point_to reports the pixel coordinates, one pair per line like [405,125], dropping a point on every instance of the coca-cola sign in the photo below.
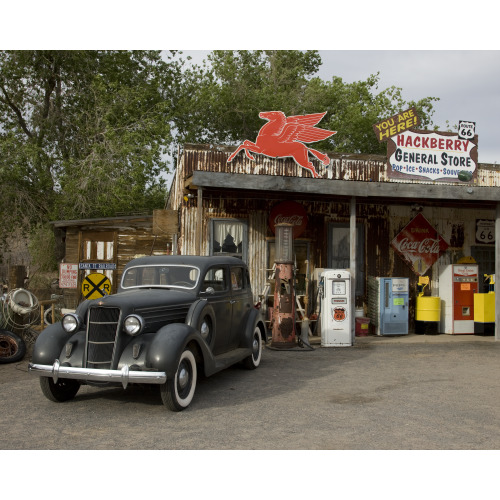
[419,244]
[289,212]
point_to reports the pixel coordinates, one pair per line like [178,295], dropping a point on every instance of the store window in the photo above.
[339,251]
[229,237]
[98,247]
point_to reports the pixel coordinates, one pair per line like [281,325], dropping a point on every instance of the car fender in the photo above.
[167,345]
[197,312]
[49,344]
[254,319]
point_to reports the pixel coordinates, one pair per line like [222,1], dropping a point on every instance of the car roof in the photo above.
[189,260]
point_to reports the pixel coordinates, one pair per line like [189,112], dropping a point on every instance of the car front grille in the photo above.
[101,336]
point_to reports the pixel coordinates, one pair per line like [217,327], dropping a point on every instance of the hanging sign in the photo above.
[396,124]
[285,136]
[289,212]
[68,275]
[419,244]
[436,156]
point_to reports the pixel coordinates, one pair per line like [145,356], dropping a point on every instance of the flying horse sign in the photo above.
[282,137]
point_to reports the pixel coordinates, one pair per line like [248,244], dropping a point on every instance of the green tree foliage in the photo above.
[229,90]
[86,133]
[82,133]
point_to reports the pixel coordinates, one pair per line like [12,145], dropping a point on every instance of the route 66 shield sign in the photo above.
[466,130]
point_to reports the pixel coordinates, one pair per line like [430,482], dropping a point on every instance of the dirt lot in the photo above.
[376,395]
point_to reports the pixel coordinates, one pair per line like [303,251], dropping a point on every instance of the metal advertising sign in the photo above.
[289,212]
[396,124]
[419,244]
[436,156]
[285,136]
[68,275]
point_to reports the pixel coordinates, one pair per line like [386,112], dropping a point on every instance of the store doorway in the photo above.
[339,251]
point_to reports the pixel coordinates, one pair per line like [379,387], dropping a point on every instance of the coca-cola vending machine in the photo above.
[457,285]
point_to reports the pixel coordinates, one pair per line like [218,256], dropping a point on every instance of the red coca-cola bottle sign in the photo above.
[419,244]
[289,212]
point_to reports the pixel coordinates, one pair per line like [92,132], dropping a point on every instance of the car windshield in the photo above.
[168,276]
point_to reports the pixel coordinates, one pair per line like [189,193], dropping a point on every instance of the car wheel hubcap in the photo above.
[205,330]
[183,377]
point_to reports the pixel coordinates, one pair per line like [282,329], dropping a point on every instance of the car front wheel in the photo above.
[253,361]
[177,393]
[60,391]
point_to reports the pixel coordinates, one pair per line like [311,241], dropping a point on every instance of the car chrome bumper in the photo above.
[124,376]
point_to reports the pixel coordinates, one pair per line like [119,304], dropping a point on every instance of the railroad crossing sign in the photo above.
[96,285]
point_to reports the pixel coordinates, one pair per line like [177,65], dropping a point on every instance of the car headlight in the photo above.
[133,324]
[71,322]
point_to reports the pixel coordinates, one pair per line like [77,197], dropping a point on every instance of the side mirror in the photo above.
[209,291]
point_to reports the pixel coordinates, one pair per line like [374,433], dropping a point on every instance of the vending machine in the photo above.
[457,285]
[388,300]
[336,315]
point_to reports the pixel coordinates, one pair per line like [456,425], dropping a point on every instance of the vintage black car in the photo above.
[171,316]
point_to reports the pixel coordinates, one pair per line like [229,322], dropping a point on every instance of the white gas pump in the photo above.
[336,311]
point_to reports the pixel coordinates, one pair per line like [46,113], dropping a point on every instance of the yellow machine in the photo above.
[484,309]
[428,310]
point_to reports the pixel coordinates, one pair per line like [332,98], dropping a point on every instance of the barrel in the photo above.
[427,315]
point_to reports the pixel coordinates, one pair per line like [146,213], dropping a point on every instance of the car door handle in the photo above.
[232,301]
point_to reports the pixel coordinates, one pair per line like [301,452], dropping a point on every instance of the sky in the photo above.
[428,48]
[449,50]
[466,82]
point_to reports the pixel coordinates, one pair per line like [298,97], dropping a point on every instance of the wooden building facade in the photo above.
[353,210]
[109,243]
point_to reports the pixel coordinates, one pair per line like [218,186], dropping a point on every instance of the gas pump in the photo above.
[283,318]
[428,310]
[484,309]
[336,311]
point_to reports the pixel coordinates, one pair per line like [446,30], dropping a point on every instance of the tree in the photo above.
[83,133]
[229,90]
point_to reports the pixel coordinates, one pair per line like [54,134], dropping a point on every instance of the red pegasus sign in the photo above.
[283,137]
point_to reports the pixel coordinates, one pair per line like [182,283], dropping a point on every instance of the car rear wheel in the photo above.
[177,393]
[62,390]
[253,361]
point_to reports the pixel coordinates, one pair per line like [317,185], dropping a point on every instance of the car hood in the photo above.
[140,298]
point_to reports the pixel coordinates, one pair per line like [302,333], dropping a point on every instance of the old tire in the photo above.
[12,347]
[62,390]
[177,393]
[253,361]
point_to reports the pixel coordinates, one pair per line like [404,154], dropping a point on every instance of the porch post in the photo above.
[199,221]
[352,265]
[497,274]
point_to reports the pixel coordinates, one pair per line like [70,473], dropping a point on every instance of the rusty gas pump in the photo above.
[283,320]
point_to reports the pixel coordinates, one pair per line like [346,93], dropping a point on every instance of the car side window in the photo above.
[237,278]
[215,278]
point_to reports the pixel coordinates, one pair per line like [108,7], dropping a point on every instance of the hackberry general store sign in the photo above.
[419,244]
[435,156]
